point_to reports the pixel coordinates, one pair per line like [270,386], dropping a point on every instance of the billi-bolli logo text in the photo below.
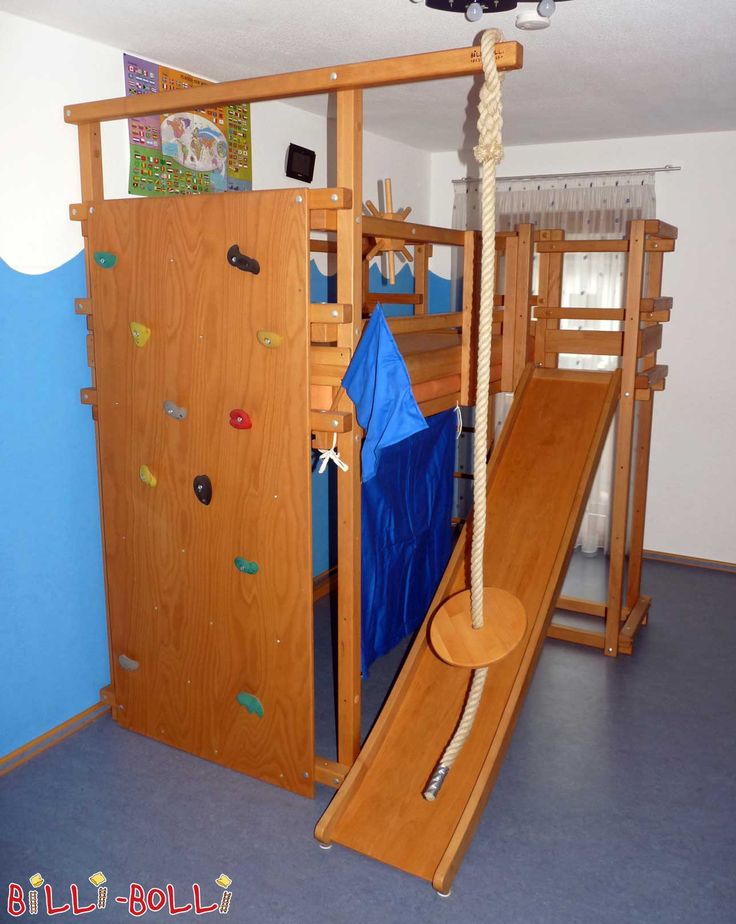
[139,900]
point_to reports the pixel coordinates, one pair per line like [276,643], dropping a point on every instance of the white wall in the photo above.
[692,498]
[43,159]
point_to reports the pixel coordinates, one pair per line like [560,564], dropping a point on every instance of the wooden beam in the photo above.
[409,232]
[349,138]
[622,465]
[586,607]
[457,62]
[612,246]
[330,313]
[329,772]
[393,298]
[578,636]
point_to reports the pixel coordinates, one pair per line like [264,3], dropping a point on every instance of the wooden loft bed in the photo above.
[322,339]
[334,331]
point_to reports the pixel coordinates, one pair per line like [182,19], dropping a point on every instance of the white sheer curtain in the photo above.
[584,207]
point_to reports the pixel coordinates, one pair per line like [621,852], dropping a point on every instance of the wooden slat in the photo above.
[578,636]
[409,232]
[433,364]
[592,342]
[437,405]
[330,421]
[661,229]
[663,303]
[636,617]
[436,65]
[323,333]
[349,138]
[580,314]
[331,356]
[652,376]
[650,340]
[319,246]
[337,198]
[329,772]
[612,246]
[90,162]
[586,607]
[393,298]
[426,322]
[330,313]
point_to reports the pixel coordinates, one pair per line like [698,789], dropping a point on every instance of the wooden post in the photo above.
[624,436]
[93,190]
[638,513]
[349,291]
[421,270]
[549,296]
[652,289]
[470,318]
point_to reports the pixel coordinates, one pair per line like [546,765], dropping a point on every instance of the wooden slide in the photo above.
[539,477]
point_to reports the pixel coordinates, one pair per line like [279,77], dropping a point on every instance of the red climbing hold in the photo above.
[240,420]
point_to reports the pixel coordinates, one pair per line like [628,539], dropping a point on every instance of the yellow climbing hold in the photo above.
[147,476]
[268,338]
[140,333]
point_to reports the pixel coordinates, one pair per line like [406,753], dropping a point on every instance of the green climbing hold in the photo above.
[251,703]
[247,567]
[105,259]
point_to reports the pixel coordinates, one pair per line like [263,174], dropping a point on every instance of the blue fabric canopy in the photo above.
[378,384]
[406,534]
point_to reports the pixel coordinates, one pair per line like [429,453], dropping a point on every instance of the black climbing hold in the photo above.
[203,489]
[240,261]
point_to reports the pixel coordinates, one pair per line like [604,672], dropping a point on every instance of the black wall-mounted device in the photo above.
[300,163]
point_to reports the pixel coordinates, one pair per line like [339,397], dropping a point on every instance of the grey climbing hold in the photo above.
[173,410]
[127,664]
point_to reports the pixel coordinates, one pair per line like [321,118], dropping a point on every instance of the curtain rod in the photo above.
[668,168]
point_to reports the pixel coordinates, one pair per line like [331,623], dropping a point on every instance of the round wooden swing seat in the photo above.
[454,640]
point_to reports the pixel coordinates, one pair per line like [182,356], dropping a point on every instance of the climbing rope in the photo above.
[488,153]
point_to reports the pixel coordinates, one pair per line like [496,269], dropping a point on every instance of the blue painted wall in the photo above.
[53,648]
[53,637]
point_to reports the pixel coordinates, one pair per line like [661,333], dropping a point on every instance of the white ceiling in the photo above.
[605,69]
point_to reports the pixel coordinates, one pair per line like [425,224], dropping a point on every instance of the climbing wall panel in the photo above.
[223,647]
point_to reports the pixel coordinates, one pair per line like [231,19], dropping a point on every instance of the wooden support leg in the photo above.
[622,467]
[641,477]
[652,289]
[349,291]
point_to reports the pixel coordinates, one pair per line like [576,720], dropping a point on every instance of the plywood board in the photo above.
[201,630]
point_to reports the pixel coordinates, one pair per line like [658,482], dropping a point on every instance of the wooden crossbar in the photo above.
[436,65]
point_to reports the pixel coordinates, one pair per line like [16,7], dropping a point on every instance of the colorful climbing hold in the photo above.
[105,259]
[140,333]
[240,420]
[173,410]
[147,476]
[268,338]
[245,566]
[203,489]
[251,703]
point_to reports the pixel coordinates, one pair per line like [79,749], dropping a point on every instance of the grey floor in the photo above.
[616,802]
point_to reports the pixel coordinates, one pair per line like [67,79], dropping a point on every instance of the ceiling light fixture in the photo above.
[530,19]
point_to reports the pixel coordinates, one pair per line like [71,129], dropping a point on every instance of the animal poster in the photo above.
[185,152]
